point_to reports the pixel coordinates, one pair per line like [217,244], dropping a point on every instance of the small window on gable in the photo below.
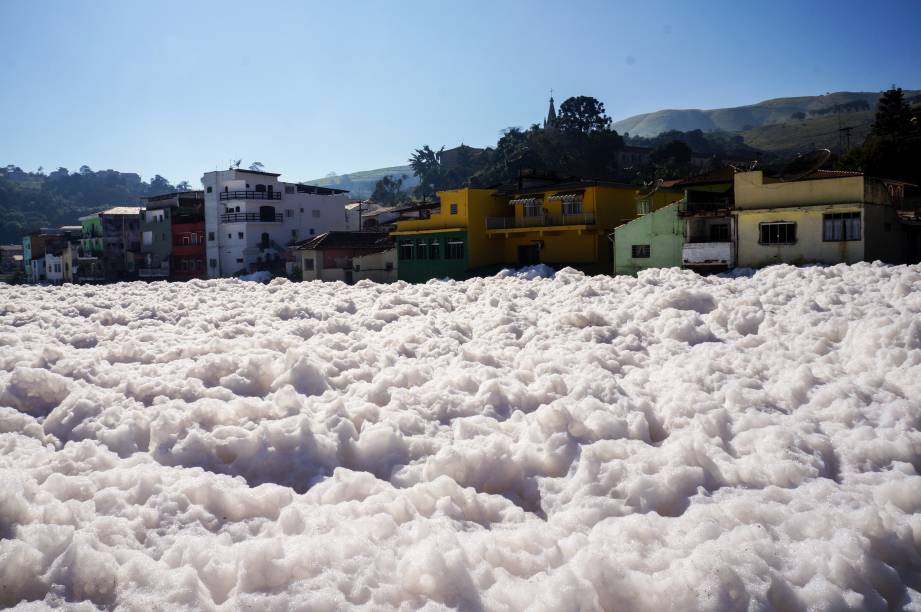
[640,251]
[453,209]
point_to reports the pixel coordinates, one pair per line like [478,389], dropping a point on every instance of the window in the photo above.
[311,231]
[209,190]
[389,266]
[455,250]
[315,212]
[841,226]
[289,213]
[406,250]
[193,238]
[237,209]
[290,189]
[422,250]
[213,263]
[230,235]
[435,249]
[572,205]
[308,263]
[719,232]
[302,210]
[239,260]
[640,251]
[533,208]
[240,235]
[185,239]
[453,209]
[777,232]
[642,207]
[147,238]
[294,233]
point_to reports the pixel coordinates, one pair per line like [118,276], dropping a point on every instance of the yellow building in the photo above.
[452,242]
[567,224]
[826,217]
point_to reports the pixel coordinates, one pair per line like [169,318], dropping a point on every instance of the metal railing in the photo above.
[251,217]
[250,195]
[540,221]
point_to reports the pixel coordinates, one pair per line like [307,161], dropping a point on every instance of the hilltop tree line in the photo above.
[581,143]
[893,147]
[30,200]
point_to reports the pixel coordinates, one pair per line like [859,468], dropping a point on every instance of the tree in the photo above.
[582,114]
[389,191]
[159,185]
[893,115]
[675,153]
[183,186]
[256,166]
[85,170]
[426,165]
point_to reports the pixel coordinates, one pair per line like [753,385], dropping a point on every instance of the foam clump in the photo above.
[536,440]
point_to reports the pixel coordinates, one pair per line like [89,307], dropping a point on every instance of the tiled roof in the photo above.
[348,240]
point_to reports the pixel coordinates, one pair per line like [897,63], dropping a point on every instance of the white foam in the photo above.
[534,440]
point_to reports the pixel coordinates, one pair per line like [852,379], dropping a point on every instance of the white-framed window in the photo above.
[841,226]
[642,207]
[405,250]
[455,250]
[422,250]
[777,232]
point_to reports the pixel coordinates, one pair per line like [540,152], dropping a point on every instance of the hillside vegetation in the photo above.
[742,118]
[811,133]
[361,184]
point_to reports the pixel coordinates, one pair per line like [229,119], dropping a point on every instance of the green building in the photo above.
[654,240]
[423,256]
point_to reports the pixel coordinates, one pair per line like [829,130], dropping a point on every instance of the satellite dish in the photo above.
[803,165]
[649,189]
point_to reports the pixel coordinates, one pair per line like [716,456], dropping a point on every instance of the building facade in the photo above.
[826,217]
[451,242]
[250,218]
[348,257]
[160,238]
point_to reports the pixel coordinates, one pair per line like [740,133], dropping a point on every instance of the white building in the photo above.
[251,216]
[54,268]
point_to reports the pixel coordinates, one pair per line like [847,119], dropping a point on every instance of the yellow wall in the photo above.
[809,246]
[752,192]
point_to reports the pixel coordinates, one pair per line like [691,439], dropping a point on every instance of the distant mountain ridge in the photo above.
[741,118]
[361,184]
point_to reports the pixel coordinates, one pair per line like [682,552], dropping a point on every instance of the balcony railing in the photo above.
[707,254]
[250,195]
[251,217]
[540,221]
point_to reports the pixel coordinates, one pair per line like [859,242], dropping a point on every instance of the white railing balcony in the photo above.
[540,221]
[708,254]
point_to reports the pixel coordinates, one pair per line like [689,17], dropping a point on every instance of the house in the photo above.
[44,241]
[696,232]
[160,237]
[250,218]
[90,255]
[348,256]
[10,262]
[567,223]
[449,240]
[824,217]
[121,242]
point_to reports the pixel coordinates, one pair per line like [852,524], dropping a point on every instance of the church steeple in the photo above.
[550,121]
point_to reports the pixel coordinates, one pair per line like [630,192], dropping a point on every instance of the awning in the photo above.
[526,202]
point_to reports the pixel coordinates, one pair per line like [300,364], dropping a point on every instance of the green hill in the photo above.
[811,133]
[361,184]
[745,118]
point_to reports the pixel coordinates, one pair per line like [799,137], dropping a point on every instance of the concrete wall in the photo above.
[752,192]
[662,230]
[885,239]
[379,267]
[809,246]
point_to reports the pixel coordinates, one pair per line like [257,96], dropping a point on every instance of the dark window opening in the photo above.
[640,251]
[841,226]
[405,251]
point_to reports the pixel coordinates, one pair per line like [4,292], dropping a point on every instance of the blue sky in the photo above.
[179,88]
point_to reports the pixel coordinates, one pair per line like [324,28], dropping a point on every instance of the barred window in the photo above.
[406,250]
[640,251]
[455,250]
[435,249]
[453,209]
[841,226]
[777,232]
[422,250]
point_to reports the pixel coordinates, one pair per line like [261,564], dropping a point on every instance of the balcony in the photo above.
[539,221]
[707,254]
[241,217]
[250,195]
